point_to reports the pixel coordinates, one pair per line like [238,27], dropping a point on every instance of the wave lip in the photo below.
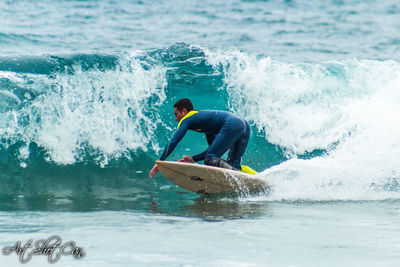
[85,106]
[50,64]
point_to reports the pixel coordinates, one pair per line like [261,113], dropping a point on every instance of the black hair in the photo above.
[184,103]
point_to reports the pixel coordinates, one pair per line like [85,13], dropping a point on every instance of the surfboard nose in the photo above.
[164,164]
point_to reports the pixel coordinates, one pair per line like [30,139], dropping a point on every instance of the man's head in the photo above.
[181,108]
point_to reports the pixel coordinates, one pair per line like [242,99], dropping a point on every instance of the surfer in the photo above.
[223,131]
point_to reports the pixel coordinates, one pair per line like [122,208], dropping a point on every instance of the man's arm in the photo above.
[202,155]
[179,134]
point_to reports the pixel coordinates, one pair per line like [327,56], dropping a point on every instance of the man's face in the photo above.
[180,114]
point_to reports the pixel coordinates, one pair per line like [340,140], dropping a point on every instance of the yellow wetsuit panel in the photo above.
[190,113]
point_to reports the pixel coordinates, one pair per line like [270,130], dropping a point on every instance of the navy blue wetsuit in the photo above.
[223,131]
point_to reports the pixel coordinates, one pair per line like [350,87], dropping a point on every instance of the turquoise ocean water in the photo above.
[86,96]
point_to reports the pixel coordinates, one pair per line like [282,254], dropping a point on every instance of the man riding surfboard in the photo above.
[223,131]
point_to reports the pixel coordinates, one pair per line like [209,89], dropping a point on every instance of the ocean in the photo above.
[86,100]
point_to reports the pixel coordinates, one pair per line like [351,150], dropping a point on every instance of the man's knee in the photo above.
[218,162]
[212,161]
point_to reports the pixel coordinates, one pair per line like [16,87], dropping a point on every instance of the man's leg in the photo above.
[229,134]
[236,152]
[218,162]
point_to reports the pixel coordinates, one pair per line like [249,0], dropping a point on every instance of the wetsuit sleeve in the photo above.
[201,156]
[179,134]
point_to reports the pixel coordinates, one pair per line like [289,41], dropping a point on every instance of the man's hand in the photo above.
[186,159]
[153,171]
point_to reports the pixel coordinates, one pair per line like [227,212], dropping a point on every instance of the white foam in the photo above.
[105,111]
[351,109]
[10,76]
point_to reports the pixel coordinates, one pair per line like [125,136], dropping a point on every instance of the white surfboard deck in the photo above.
[203,179]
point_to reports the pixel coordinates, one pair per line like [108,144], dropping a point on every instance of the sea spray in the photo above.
[347,109]
[105,111]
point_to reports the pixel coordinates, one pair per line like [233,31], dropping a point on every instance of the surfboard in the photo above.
[203,179]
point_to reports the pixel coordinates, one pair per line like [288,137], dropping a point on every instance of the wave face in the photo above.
[320,131]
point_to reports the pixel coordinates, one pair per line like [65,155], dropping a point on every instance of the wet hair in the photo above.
[184,103]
